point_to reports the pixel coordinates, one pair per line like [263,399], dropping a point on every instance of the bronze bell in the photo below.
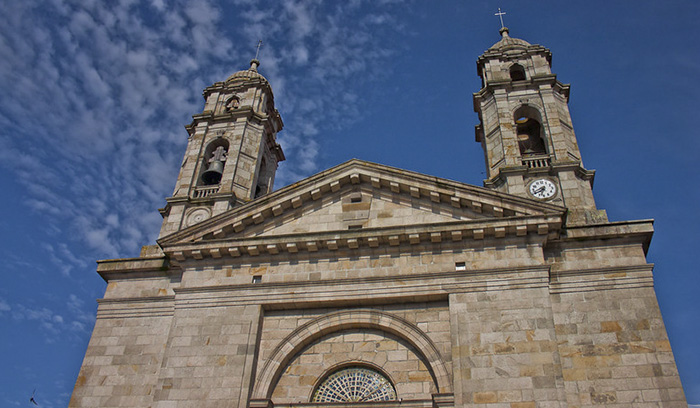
[213,174]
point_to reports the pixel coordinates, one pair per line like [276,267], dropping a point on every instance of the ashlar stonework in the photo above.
[519,294]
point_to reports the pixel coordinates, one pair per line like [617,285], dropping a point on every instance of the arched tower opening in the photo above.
[529,131]
[262,186]
[214,162]
[517,73]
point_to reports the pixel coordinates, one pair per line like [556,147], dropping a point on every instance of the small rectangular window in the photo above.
[356,198]
[352,227]
[460,266]
[257,279]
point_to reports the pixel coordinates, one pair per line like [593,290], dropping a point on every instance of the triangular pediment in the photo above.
[361,202]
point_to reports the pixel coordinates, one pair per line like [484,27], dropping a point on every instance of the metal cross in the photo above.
[500,15]
[260,43]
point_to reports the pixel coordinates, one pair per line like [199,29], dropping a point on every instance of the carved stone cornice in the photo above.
[403,238]
[490,204]
[531,84]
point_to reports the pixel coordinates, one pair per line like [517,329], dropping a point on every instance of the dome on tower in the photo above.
[248,74]
[508,41]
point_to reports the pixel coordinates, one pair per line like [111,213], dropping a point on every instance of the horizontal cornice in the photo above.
[324,244]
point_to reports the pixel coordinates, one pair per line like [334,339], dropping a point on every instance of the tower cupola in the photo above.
[232,151]
[526,131]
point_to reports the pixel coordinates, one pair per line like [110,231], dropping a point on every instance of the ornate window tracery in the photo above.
[355,384]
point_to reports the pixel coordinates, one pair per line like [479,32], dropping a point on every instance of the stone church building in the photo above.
[371,286]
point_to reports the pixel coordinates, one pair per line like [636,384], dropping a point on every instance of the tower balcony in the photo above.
[205,191]
[537,161]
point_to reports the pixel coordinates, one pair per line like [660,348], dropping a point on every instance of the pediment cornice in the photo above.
[405,238]
[499,215]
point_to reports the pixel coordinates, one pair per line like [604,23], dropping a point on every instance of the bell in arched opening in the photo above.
[215,169]
[529,140]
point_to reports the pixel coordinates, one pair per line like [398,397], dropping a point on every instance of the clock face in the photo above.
[542,189]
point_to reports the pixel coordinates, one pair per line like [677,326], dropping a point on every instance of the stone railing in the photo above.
[533,162]
[201,192]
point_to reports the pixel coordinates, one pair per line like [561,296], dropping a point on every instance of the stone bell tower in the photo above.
[232,152]
[526,131]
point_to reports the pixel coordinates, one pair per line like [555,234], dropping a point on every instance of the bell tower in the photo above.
[232,152]
[526,131]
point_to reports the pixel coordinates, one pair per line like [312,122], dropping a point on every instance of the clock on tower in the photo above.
[526,132]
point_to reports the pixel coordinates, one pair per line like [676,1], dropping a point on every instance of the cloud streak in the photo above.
[102,90]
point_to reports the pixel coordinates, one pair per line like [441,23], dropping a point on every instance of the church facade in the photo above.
[367,285]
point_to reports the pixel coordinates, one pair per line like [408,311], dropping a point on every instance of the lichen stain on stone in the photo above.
[80,381]
[258,271]
[529,334]
[642,324]
[616,275]
[602,398]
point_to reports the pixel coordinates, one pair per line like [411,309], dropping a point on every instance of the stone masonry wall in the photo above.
[614,350]
[122,362]
[504,349]
[209,357]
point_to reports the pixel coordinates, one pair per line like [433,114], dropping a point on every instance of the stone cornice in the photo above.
[587,280]
[146,267]
[403,237]
[150,306]
[640,231]
[509,86]
[273,119]
[513,52]
[237,86]
[553,169]
[491,204]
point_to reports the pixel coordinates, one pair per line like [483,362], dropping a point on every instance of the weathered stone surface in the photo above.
[458,295]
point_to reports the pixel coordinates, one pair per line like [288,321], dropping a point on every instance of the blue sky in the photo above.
[95,96]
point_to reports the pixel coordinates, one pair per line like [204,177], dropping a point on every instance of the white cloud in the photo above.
[75,318]
[102,90]
[4,306]
[45,318]
[329,49]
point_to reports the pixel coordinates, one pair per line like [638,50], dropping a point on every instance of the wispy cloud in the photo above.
[312,51]
[4,306]
[73,319]
[49,322]
[101,90]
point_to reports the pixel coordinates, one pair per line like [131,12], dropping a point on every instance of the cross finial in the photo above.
[500,15]
[257,51]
